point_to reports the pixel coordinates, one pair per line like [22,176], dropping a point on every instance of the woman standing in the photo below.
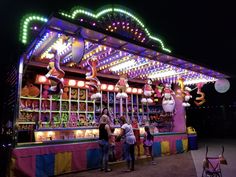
[127,132]
[104,133]
[106,112]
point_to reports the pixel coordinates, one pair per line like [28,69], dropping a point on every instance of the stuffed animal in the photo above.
[55,74]
[187,96]
[25,91]
[65,95]
[94,84]
[33,91]
[168,102]
[147,92]
[45,91]
[74,94]
[158,91]
[122,85]
[180,91]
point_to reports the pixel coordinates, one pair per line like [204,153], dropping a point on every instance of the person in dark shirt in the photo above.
[104,133]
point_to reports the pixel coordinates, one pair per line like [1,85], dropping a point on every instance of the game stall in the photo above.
[76,64]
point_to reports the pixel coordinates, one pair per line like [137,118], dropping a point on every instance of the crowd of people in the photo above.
[129,134]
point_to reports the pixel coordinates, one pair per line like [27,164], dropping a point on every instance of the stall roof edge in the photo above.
[77,26]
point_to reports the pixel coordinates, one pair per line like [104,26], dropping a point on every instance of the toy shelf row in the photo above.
[74,108]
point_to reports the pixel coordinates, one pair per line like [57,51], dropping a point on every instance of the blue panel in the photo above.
[45,165]
[93,158]
[179,146]
[156,149]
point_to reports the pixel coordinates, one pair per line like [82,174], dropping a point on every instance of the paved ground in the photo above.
[181,165]
[214,148]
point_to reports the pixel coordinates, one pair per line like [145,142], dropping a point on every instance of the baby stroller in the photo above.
[211,165]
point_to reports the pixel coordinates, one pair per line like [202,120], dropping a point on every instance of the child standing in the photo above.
[112,144]
[148,142]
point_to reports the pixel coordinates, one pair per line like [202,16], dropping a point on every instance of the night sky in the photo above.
[200,31]
[197,30]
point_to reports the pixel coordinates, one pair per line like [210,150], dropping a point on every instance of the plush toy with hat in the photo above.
[147,92]
[122,85]
[187,97]
[168,102]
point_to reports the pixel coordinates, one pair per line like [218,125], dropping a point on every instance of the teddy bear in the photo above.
[187,96]
[122,85]
[147,92]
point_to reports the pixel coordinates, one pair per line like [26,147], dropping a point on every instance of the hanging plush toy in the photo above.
[200,100]
[122,85]
[168,102]
[158,91]
[180,91]
[187,97]
[147,92]
[94,84]
[55,74]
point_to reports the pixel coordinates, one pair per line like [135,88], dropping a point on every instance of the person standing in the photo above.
[104,133]
[147,143]
[106,112]
[128,134]
[135,125]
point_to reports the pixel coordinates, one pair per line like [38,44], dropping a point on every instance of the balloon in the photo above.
[222,85]
[77,50]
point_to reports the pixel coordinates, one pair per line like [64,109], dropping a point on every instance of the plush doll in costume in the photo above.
[168,102]
[94,84]
[158,91]
[55,74]
[122,85]
[187,96]
[147,92]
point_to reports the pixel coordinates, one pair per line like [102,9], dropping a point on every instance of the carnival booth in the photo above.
[77,63]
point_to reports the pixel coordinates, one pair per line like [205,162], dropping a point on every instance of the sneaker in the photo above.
[127,170]
[108,170]
[153,163]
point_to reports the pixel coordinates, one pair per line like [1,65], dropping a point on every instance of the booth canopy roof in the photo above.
[117,54]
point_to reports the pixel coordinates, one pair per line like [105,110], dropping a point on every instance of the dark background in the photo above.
[202,31]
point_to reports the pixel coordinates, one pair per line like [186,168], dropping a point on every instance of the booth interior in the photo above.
[110,62]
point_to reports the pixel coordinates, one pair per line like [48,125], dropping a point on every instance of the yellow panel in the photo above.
[165,148]
[185,144]
[63,163]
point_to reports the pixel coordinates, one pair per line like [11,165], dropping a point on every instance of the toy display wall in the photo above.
[73,115]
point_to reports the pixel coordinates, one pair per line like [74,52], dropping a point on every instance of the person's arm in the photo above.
[145,137]
[107,127]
